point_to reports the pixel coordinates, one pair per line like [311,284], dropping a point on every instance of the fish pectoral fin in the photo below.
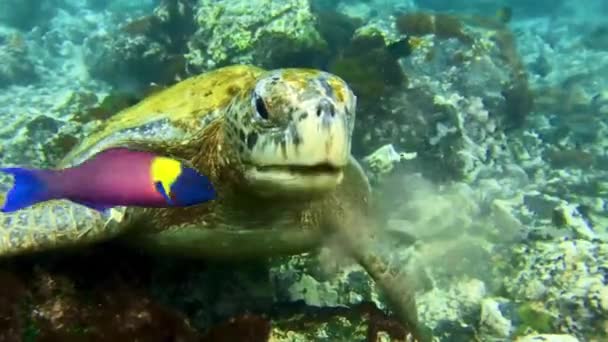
[161,190]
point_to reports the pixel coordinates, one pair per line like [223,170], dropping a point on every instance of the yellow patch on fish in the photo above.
[165,171]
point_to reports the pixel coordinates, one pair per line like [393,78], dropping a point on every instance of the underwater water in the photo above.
[481,127]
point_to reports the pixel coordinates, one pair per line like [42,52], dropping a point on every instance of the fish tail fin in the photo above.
[28,189]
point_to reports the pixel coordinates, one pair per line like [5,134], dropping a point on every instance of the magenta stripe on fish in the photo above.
[117,176]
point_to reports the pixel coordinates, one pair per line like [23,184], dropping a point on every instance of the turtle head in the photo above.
[293,131]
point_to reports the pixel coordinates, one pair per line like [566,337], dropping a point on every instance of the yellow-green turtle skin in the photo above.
[275,144]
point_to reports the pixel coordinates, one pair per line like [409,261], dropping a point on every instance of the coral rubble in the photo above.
[503,208]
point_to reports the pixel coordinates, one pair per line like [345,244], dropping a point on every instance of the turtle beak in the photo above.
[290,180]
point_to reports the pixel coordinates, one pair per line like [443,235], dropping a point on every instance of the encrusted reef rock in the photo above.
[269,34]
[437,84]
[16,66]
[41,139]
[118,296]
[66,302]
[185,37]
[145,50]
[563,287]
[515,249]
[444,84]
[522,7]
[25,14]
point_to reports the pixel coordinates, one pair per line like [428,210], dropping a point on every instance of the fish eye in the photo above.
[260,107]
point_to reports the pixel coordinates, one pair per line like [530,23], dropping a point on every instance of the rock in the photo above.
[120,59]
[561,279]
[603,299]
[361,323]
[312,292]
[566,215]
[457,303]
[493,326]
[270,34]
[530,316]
[314,281]
[457,101]
[507,224]
[541,204]
[383,160]
[17,66]
[547,338]
[25,14]
[146,50]
[42,125]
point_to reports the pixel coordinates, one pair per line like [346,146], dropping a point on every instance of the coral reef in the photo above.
[461,94]
[487,8]
[270,34]
[573,265]
[369,67]
[442,25]
[146,50]
[72,301]
[183,37]
[25,14]
[16,66]
[102,298]
[510,245]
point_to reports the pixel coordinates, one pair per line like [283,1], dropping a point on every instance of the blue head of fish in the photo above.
[192,188]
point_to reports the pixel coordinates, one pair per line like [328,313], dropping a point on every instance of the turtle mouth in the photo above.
[292,180]
[311,170]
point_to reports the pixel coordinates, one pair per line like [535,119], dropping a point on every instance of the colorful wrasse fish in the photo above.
[114,177]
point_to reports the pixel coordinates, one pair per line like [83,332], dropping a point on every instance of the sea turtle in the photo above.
[276,145]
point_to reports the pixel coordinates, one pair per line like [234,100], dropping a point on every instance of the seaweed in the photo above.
[145,25]
[415,24]
[570,158]
[279,50]
[519,102]
[336,28]
[444,26]
[448,26]
[519,98]
[370,67]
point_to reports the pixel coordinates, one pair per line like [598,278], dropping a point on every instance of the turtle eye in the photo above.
[260,107]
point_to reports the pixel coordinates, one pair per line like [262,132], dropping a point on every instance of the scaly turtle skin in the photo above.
[276,145]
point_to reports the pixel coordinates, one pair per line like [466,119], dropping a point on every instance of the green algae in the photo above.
[533,318]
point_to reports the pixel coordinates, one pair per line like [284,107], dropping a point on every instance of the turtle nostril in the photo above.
[326,108]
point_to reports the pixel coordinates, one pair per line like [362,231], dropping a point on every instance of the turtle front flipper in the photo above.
[367,245]
[55,224]
[353,221]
